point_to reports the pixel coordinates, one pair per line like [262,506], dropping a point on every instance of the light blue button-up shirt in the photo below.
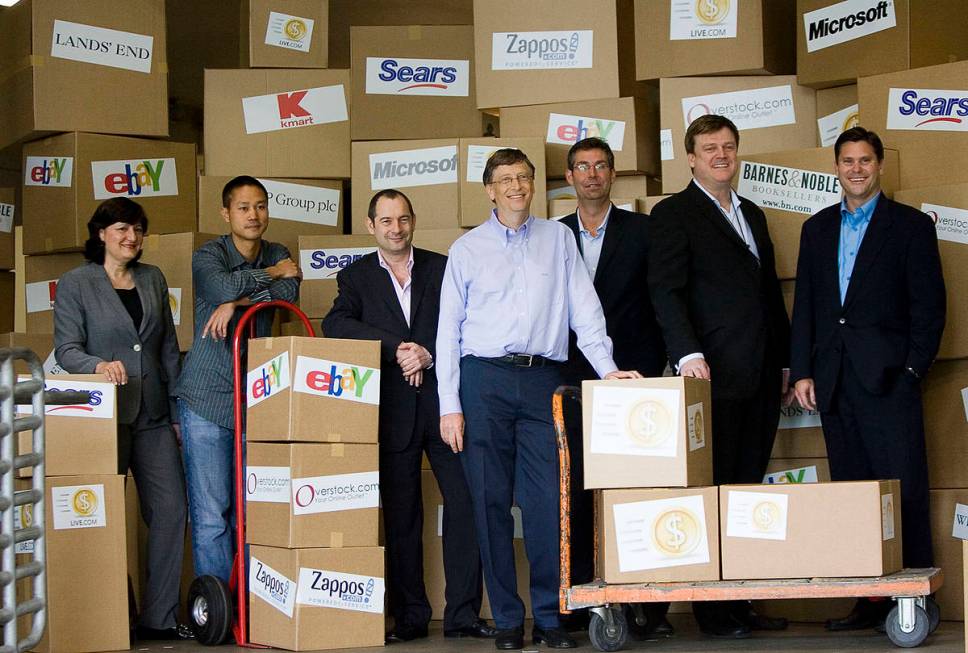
[591,246]
[516,292]
[853,226]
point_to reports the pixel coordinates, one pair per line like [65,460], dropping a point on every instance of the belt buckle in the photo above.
[530,358]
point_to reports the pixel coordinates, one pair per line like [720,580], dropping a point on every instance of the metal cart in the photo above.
[909,623]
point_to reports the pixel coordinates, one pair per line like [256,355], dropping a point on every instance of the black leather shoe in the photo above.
[406,633]
[755,621]
[478,629]
[510,639]
[175,633]
[866,614]
[724,627]
[552,638]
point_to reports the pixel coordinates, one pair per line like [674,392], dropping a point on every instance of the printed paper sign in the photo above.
[787,189]
[562,193]
[290,32]
[635,421]
[748,109]
[921,109]
[795,416]
[100,405]
[564,129]
[665,145]
[322,588]
[477,156]
[798,475]
[950,223]
[696,425]
[6,217]
[335,493]
[346,381]
[137,178]
[515,515]
[541,50]
[268,379]
[846,21]
[40,295]
[101,46]
[51,366]
[959,528]
[661,533]
[302,108]
[175,304]
[887,517]
[401,76]
[326,263]
[23,517]
[272,587]
[78,506]
[964,400]
[756,515]
[267,484]
[49,171]
[302,203]
[833,125]
[702,19]
[408,168]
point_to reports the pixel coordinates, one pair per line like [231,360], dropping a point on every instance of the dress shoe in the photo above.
[866,614]
[510,639]
[749,617]
[176,632]
[478,629]
[724,626]
[645,621]
[552,638]
[406,633]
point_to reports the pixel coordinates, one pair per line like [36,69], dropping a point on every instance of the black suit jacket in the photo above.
[367,308]
[711,295]
[621,283]
[894,310]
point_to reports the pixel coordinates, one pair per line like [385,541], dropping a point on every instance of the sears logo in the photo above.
[134,178]
[326,263]
[397,76]
[100,405]
[536,50]
[927,109]
[299,108]
[407,168]
[49,171]
[846,21]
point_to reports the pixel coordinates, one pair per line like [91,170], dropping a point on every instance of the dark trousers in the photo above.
[510,455]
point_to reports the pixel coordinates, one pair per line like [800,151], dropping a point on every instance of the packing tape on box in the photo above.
[268,342]
[336,540]
[414,33]
[337,450]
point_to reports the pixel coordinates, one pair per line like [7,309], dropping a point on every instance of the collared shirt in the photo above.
[735,218]
[221,274]
[853,226]
[403,291]
[591,246]
[516,292]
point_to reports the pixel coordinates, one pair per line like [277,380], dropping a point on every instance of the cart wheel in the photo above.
[605,637]
[922,628]
[210,610]
[934,614]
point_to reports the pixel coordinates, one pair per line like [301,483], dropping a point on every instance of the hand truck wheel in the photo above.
[920,626]
[934,613]
[607,629]
[210,611]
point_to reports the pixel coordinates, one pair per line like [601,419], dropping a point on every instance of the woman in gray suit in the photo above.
[112,317]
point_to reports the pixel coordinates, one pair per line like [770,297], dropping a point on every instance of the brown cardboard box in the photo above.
[338,603]
[413,82]
[735,38]
[41,274]
[437,240]
[8,216]
[944,394]
[475,205]
[797,470]
[50,75]
[836,112]
[40,343]
[7,290]
[298,494]
[285,34]
[426,171]
[790,187]
[947,552]
[647,433]
[895,35]
[557,209]
[646,204]
[922,133]
[277,123]
[948,206]
[291,383]
[160,175]
[320,259]
[792,531]
[658,535]
[628,124]
[789,126]
[623,186]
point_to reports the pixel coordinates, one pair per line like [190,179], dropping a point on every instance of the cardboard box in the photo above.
[41,274]
[475,205]
[792,186]
[557,209]
[437,240]
[895,35]
[812,530]
[623,186]
[51,70]
[797,470]
[791,125]
[658,535]
[277,123]
[8,217]
[728,38]
[312,494]
[292,381]
[947,552]
[413,82]
[320,259]
[285,34]
[293,607]
[944,394]
[39,343]
[646,204]
[837,112]
[66,177]
[628,124]
[7,290]
[647,433]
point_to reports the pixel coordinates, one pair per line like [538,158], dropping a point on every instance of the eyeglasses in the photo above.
[522,179]
[601,166]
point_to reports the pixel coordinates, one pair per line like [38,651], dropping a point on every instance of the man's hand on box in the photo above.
[620,374]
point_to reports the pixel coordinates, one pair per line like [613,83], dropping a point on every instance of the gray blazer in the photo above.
[91,325]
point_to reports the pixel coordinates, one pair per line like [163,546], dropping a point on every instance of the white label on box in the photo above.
[787,189]
[541,50]
[756,515]
[78,506]
[959,527]
[799,475]
[335,493]
[887,516]
[50,171]
[6,217]
[346,381]
[561,193]
[137,178]
[661,533]
[833,125]
[175,304]
[40,295]
[322,588]
[302,203]
[267,484]
[268,379]
[290,32]
[408,168]
[51,366]
[102,46]
[564,129]
[294,109]
[950,223]
[964,400]
[515,516]
[326,263]
[100,405]
[635,421]
[272,587]
[696,425]
[795,416]
[401,76]
[23,517]
[921,109]
[702,19]
[752,108]
[665,145]
[477,156]
[846,21]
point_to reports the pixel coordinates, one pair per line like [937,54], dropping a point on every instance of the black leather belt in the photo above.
[526,360]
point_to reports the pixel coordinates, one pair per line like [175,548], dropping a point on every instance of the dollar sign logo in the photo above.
[85,502]
[295,29]
[711,11]
[676,537]
[648,420]
[649,423]
[765,515]
[676,532]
